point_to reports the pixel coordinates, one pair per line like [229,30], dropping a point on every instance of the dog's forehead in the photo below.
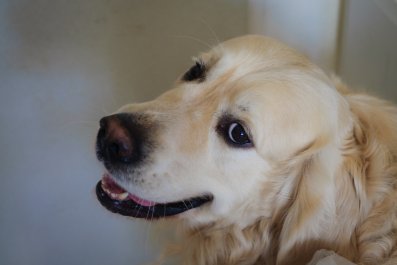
[254,52]
[237,66]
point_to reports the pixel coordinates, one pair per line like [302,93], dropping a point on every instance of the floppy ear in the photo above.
[300,117]
[313,167]
[309,202]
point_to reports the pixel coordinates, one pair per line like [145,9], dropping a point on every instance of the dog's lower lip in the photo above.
[135,207]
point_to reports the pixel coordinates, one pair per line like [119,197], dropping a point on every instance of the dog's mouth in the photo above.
[117,200]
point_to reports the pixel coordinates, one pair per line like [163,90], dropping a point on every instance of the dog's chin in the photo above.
[117,200]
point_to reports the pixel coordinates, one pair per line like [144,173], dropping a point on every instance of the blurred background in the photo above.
[64,64]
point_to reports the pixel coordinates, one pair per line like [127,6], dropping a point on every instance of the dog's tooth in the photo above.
[106,190]
[113,195]
[123,196]
[105,186]
[118,196]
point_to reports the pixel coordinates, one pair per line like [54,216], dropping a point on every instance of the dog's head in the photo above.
[222,143]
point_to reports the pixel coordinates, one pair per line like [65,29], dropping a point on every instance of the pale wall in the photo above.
[63,65]
[310,26]
[369,46]
[356,39]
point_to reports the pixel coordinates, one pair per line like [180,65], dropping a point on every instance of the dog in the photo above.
[262,159]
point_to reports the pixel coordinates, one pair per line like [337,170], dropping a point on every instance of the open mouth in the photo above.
[117,200]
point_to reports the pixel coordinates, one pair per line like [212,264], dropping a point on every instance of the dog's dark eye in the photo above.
[235,134]
[196,72]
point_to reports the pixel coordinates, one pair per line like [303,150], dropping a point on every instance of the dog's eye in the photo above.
[237,134]
[234,134]
[196,72]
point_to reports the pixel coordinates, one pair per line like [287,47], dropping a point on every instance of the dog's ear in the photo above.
[312,194]
[301,119]
[304,214]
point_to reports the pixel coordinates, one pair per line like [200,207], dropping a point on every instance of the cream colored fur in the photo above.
[321,175]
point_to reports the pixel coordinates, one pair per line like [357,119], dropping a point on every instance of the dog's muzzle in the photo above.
[124,145]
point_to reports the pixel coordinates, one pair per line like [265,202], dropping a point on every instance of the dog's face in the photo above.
[213,148]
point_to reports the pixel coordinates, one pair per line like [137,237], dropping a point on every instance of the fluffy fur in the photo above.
[321,174]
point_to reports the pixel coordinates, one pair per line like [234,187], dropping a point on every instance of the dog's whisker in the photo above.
[218,41]
[148,227]
[184,202]
[139,209]
[207,45]
[105,112]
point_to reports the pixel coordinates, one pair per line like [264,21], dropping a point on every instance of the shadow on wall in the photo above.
[141,46]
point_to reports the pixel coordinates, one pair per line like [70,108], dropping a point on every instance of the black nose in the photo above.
[115,143]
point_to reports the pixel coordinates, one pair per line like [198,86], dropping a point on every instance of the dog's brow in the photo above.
[242,108]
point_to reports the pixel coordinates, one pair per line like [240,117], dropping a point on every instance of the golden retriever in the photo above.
[262,159]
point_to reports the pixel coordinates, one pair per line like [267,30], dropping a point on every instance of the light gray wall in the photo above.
[310,26]
[63,65]
[357,39]
[368,59]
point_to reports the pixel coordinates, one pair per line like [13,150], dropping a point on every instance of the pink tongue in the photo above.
[114,188]
[141,201]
